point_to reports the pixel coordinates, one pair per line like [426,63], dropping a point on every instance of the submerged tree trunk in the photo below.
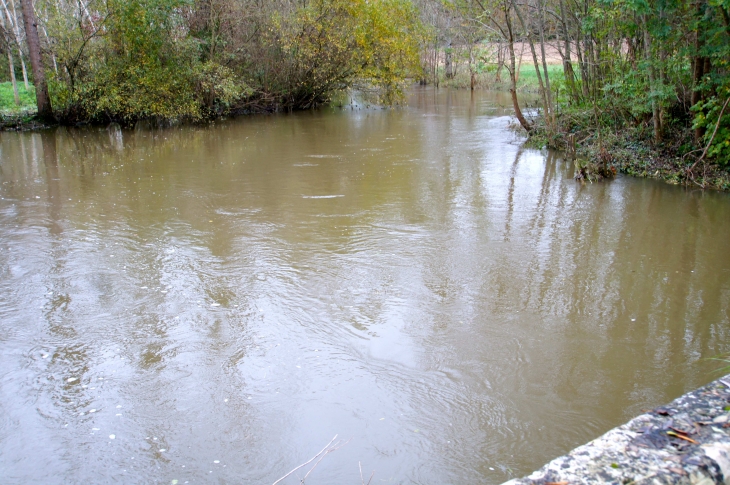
[43,101]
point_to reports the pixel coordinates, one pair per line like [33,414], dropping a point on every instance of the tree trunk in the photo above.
[24,69]
[11,64]
[45,112]
[12,78]
[543,93]
[654,104]
[519,63]
[500,62]
[541,27]
[18,39]
[512,69]
[698,71]
[567,62]
[448,62]
[436,65]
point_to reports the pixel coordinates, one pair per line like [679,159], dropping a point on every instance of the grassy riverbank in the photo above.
[608,146]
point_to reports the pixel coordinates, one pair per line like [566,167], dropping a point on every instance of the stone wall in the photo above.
[685,442]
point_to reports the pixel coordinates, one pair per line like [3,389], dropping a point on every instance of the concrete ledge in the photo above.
[686,442]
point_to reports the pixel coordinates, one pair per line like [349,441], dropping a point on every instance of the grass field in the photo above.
[526,83]
[528,77]
[7,101]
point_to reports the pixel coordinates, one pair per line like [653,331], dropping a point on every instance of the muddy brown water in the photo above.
[213,304]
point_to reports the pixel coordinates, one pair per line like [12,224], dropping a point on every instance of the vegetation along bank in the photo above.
[638,86]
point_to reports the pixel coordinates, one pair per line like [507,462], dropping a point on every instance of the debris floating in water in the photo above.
[112,437]
[216,461]
[322,196]
[72,379]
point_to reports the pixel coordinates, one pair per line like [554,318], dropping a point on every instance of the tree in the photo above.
[45,112]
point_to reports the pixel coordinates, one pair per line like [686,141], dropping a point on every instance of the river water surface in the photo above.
[213,304]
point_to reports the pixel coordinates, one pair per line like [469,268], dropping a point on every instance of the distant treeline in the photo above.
[124,60]
[659,67]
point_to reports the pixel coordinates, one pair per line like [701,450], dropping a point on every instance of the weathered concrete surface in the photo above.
[686,442]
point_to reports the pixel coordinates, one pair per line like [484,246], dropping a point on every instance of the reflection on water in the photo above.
[215,303]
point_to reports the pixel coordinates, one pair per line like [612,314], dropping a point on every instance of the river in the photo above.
[214,304]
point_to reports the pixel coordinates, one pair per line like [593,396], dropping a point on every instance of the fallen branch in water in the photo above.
[362,480]
[323,452]
[336,447]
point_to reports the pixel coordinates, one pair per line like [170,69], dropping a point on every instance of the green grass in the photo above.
[7,100]
[527,82]
[528,77]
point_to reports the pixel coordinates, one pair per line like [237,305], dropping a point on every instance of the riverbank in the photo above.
[617,149]
[685,442]
[630,150]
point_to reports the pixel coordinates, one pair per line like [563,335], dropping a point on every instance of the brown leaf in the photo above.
[557,483]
